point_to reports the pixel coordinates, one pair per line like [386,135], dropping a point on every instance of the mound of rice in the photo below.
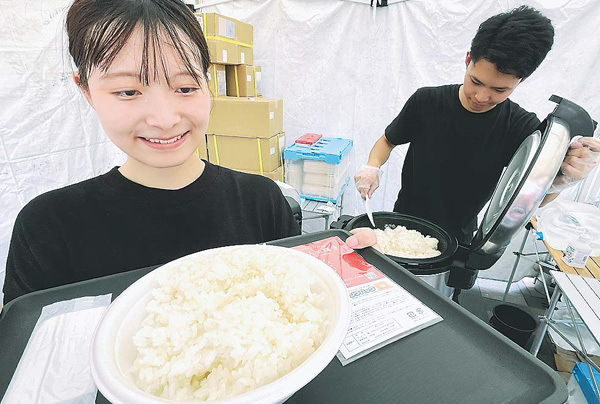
[402,242]
[223,324]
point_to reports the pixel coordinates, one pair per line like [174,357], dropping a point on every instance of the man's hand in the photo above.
[580,160]
[362,237]
[367,180]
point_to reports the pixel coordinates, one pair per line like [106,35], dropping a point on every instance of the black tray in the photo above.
[459,360]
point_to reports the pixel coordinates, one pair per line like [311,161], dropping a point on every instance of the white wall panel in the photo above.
[341,69]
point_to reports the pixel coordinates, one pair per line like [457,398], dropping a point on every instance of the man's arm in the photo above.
[380,153]
[367,177]
[549,198]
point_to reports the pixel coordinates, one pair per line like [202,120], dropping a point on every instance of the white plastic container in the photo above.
[113,351]
[321,171]
[560,221]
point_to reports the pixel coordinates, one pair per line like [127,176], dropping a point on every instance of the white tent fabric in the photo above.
[341,70]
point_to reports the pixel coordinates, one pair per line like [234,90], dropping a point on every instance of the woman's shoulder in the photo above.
[69,198]
[248,186]
[242,179]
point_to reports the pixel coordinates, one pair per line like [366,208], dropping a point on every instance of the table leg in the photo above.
[541,272]
[581,344]
[514,269]
[540,332]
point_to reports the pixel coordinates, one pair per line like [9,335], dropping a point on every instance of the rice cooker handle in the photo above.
[579,121]
[341,222]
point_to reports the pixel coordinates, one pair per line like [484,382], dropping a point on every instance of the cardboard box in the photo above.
[225,53]
[245,33]
[202,151]
[248,117]
[246,55]
[258,155]
[217,80]
[217,25]
[229,30]
[566,359]
[258,80]
[240,81]
[275,175]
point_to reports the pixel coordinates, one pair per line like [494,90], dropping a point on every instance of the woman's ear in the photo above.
[84,91]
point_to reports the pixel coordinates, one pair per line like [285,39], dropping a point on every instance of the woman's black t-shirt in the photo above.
[109,224]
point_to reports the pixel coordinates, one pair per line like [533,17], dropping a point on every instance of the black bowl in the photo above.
[447,245]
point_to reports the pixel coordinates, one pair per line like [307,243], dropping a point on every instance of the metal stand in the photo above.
[540,333]
[320,210]
[514,268]
[547,321]
[538,262]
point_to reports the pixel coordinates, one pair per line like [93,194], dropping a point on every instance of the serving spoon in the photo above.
[369,212]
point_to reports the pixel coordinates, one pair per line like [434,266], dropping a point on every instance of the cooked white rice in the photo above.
[402,242]
[224,324]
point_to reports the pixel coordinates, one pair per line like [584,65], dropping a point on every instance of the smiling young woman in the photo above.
[141,65]
[158,124]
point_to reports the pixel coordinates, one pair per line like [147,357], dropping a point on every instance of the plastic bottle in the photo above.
[578,250]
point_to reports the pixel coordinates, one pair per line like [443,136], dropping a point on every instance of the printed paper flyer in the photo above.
[381,310]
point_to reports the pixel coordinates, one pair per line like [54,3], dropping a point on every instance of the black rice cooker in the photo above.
[435,270]
[519,192]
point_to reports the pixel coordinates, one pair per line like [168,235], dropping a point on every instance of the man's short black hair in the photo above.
[516,42]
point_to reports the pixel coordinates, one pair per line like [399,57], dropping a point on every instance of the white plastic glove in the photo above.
[367,180]
[580,160]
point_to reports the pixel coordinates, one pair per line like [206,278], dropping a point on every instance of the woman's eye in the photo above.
[127,93]
[187,90]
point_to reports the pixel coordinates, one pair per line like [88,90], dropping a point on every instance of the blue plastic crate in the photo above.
[328,149]
[320,171]
[582,375]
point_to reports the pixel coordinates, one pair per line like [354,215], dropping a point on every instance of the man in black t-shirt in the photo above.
[462,136]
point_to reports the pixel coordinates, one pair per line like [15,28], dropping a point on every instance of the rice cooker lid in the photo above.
[505,195]
[529,175]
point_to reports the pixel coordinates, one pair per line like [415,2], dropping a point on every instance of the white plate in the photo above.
[113,351]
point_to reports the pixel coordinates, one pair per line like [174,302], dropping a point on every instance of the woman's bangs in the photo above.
[156,38]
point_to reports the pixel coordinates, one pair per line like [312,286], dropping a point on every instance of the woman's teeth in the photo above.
[164,141]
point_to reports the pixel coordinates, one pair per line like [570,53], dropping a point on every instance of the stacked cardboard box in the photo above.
[245,131]
[252,155]
[246,134]
[217,80]
[566,359]
[230,45]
